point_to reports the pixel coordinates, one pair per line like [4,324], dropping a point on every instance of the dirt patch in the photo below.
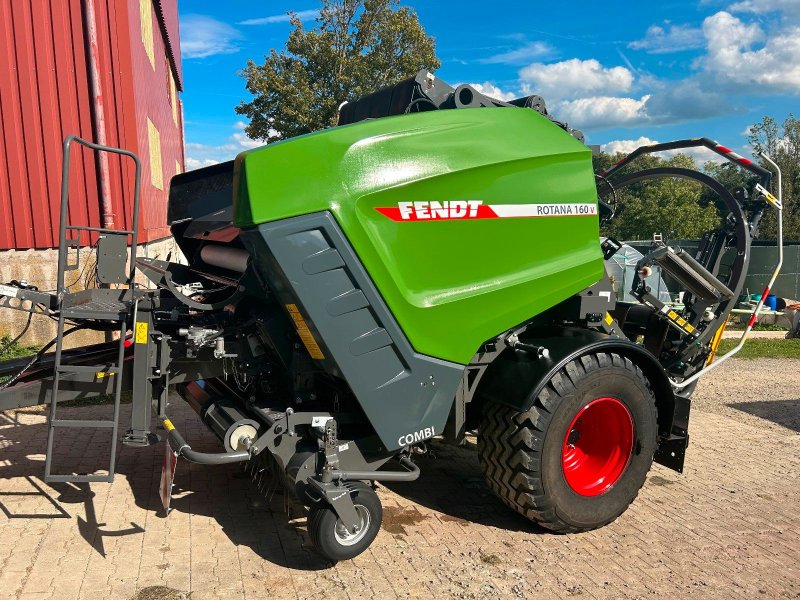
[160,592]
[395,518]
[658,480]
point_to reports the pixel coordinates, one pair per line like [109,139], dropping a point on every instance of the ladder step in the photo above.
[97,315]
[88,369]
[78,478]
[94,424]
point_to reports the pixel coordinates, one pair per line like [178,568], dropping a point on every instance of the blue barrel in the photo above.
[771,302]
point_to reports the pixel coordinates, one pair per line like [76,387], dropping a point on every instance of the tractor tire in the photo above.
[331,539]
[577,458]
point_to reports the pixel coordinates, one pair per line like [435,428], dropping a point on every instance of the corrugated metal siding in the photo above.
[44,96]
[152,102]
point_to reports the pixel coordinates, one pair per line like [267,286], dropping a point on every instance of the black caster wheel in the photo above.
[329,535]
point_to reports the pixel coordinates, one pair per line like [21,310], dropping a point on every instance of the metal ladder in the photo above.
[97,305]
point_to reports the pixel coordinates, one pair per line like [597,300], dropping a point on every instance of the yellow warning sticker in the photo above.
[141,333]
[304,332]
[672,315]
[609,319]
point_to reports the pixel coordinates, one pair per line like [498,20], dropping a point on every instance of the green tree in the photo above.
[673,207]
[782,144]
[355,47]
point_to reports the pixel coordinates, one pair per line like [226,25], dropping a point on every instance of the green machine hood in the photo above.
[469,222]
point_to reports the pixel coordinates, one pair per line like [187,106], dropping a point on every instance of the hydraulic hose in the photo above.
[37,357]
[179,445]
[19,337]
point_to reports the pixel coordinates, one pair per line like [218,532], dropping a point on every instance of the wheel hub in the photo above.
[598,446]
[348,538]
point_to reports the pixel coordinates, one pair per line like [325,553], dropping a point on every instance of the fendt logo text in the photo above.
[453,210]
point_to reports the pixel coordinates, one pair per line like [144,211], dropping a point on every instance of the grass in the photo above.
[763,348]
[15,350]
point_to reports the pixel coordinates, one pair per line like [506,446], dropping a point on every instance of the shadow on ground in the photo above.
[448,469]
[782,412]
[226,493]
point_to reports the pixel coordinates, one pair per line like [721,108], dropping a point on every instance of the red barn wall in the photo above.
[45,96]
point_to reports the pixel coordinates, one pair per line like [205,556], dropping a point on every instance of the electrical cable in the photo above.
[83,270]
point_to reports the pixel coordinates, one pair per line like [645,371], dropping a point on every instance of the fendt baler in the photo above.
[418,271]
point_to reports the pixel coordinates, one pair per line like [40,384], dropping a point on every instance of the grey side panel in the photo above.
[308,261]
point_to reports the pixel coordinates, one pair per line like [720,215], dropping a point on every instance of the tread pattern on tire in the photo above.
[510,442]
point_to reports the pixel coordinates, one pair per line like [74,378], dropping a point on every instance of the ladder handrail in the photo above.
[62,236]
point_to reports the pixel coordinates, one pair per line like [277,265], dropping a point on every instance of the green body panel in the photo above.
[451,284]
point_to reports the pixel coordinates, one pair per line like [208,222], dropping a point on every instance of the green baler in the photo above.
[418,271]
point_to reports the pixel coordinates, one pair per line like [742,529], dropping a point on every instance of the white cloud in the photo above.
[202,36]
[626,146]
[686,100]
[742,56]
[601,112]
[667,103]
[766,6]
[670,38]
[701,155]
[303,15]
[203,155]
[196,163]
[489,89]
[573,77]
[528,52]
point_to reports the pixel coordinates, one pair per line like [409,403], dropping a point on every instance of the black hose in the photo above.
[37,357]
[19,337]
[179,445]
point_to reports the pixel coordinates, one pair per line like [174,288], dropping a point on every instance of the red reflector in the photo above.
[128,343]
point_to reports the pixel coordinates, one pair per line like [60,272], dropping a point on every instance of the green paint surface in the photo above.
[452,285]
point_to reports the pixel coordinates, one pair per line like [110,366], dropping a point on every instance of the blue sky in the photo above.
[624,72]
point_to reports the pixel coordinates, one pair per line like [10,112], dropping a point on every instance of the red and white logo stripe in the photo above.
[455,210]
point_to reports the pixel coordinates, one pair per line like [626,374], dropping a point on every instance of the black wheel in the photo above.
[331,538]
[577,458]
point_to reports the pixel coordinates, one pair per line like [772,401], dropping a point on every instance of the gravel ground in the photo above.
[764,392]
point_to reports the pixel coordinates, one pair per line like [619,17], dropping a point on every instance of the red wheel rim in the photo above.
[597,447]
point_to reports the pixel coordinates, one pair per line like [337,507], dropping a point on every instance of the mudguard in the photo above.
[515,378]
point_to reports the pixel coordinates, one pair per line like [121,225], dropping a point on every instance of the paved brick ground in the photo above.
[726,528]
